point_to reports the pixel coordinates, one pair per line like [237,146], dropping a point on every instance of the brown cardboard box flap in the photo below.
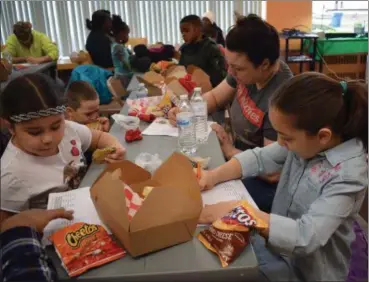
[200,78]
[163,206]
[153,77]
[176,71]
[152,89]
[176,87]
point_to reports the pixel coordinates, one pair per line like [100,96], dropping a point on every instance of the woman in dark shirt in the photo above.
[99,41]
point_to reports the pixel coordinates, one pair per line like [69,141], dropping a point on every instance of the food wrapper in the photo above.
[146,191]
[99,155]
[133,201]
[227,237]
[83,246]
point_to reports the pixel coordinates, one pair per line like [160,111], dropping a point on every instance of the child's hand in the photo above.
[206,181]
[211,213]
[33,60]
[105,124]
[172,116]
[117,156]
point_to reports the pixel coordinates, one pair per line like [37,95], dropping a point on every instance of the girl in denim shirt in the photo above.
[322,127]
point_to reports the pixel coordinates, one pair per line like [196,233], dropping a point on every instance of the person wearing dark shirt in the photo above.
[22,256]
[98,42]
[201,51]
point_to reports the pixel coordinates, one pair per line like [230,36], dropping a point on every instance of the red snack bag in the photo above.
[83,246]
[228,236]
[133,135]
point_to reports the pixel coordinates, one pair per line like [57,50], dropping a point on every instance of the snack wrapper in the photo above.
[83,246]
[99,155]
[227,237]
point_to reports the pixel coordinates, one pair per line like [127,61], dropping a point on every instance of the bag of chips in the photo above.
[227,237]
[83,246]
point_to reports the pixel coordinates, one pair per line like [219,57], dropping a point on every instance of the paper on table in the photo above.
[78,200]
[227,191]
[162,127]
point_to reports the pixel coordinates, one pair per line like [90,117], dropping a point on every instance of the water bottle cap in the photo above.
[198,89]
[183,97]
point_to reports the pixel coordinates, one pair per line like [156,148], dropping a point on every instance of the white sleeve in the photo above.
[83,132]
[14,193]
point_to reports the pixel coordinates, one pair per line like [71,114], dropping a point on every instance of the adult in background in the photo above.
[99,40]
[210,26]
[30,46]
[255,72]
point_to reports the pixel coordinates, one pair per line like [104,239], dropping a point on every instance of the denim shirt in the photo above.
[315,205]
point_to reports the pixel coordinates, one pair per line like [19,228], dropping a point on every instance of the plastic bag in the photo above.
[148,161]
[127,122]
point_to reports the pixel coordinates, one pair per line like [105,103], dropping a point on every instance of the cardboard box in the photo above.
[152,89]
[169,214]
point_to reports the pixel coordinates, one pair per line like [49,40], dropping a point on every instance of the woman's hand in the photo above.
[225,141]
[172,116]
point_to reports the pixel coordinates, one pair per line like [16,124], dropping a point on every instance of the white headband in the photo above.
[42,113]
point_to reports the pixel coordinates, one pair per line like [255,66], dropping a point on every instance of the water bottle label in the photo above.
[199,109]
[184,119]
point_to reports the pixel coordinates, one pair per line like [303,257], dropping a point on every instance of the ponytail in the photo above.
[317,101]
[356,102]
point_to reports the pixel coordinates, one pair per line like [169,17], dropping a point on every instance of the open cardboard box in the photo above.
[168,215]
[152,89]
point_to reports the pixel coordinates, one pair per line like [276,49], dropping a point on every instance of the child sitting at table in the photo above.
[322,128]
[120,54]
[201,51]
[45,153]
[83,104]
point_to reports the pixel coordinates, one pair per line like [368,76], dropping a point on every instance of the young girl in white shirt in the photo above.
[45,153]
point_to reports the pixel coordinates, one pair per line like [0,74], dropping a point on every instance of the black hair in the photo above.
[192,19]
[317,101]
[98,19]
[256,38]
[118,25]
[29,93]
[79,91]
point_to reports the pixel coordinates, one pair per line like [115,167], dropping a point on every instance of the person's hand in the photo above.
[105,124]
[172,116]
[35,218]
[33,60]
[206,181]
[211,213]
[224,140]
[117,156]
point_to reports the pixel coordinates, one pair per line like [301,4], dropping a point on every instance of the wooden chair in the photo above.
[134,41]
[118,91]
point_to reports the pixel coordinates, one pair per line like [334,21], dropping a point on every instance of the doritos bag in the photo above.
[227,237]
[83,246]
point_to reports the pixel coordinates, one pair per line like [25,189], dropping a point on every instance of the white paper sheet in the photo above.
[162,127]
[78,200]
[227,191]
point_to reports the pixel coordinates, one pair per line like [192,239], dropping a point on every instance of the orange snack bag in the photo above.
[227,237]
[83,246]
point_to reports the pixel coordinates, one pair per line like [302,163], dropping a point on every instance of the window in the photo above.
[340,16]
[64,21]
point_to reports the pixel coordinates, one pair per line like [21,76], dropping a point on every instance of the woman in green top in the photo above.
[31,46]
[120,53]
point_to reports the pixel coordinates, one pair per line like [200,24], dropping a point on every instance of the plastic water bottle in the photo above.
[200,110]
[142,91]
[186,127]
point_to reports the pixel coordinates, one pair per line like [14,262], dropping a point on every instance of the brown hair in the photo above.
[79,91]
[317,101]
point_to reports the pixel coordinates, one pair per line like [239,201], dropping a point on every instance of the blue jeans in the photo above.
[261,191]
[272,266]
